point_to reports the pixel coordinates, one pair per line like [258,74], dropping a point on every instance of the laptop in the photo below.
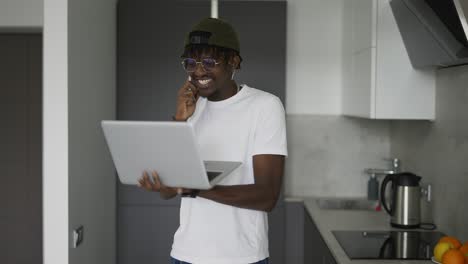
[170,148]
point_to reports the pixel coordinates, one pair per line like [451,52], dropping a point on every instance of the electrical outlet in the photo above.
[78,236]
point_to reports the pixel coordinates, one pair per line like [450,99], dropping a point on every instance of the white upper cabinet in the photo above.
[379,81]
[364,18]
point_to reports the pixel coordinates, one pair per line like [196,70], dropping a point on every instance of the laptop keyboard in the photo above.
[212,174]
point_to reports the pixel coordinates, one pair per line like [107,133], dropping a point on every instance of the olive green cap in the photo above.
[214,32]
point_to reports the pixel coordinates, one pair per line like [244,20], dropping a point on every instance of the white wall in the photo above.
[314,57]
[91,98]
[55,132]
[328,154]
[79,91]
[21,14]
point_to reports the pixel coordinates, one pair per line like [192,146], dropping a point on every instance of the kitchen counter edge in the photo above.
[331,220]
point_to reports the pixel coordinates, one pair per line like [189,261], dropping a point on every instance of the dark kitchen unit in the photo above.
[395,244]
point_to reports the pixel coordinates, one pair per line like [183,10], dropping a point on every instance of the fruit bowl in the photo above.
[435,261]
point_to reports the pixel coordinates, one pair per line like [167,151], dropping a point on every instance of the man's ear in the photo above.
[235,62]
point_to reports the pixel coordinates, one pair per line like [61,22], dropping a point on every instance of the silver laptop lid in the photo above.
[169,148]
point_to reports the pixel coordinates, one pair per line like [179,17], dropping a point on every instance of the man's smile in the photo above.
[203,83]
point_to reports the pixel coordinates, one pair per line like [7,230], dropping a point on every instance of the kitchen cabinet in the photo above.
[315,248]
[21,190]
[294,238]
[379,81]
[304,243]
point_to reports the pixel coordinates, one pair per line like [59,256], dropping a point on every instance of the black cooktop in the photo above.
[415,245]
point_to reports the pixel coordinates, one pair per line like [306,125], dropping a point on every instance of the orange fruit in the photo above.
[453,256]
[452,240]
[440,249]
[464,250]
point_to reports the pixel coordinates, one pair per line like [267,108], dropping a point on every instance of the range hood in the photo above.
[435,32]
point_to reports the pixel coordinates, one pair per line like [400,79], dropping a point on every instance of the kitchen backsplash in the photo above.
[438,151]
[327,154]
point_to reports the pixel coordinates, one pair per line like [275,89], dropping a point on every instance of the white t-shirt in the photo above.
[249,123]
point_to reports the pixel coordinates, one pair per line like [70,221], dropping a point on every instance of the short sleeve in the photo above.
[270,130]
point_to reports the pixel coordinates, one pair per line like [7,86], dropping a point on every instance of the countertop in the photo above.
[328,220]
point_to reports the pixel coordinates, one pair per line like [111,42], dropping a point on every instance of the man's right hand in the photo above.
[187,97]
[156,185]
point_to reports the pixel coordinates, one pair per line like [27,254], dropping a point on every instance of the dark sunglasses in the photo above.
[190,64]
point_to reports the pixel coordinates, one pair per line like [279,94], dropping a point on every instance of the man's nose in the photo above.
[199,70]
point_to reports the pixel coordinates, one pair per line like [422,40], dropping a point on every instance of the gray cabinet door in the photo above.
[315,248]
[150,42]
[145,233]
[294,229]
[21,148]
[304,243]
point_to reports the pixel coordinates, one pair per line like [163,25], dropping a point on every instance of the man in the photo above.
[228,223]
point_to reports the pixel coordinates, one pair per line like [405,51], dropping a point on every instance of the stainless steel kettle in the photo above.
[406,194]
